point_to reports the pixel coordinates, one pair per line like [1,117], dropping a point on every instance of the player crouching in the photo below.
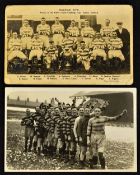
[35,54]
[51,57]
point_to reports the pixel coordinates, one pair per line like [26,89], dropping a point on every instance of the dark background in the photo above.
[136,51]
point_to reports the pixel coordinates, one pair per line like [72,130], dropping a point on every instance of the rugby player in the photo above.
[96,137]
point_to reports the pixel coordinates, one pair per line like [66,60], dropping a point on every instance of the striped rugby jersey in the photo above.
[98,44]
[15,44]
[70,124]
[43,29]
[67,42]
[26,31]
[37,44]
[96,125]
[115,43]
[74,31]
[57,28]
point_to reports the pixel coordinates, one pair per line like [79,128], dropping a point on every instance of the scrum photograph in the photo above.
[70,129]
[87,44]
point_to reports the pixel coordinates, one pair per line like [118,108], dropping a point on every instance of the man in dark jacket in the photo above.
[124,34]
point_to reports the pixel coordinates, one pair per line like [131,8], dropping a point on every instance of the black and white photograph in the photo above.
[70,129]
[69,42]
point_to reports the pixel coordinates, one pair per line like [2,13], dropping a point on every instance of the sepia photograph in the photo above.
[70,130]
[69,44]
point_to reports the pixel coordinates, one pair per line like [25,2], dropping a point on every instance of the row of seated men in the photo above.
[87,48]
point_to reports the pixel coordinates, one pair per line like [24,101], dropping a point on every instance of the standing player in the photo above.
[44,32]
[57,31]
[106,31]
[96,137]
[87,33]
[26,32]
[73,30]
[29,130]
[15,48]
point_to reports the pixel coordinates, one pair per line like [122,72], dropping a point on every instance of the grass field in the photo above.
[119,155]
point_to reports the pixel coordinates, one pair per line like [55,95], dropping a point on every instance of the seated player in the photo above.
[83,55]
[57,31]
[98,47]
[87,33]
[36,46]
[15,48]
[67,53]
[50,56]
[114,45]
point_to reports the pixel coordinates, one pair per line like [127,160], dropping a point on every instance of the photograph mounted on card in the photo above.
[69,44]
[70,130]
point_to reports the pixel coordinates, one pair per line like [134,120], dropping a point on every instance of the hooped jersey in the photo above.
[68,42]
[15,44]
[98,44]
[87,32]
[51,51]
[43,29]
[57,28]
[26,31]
[106,31]
[83,52]
[74,31]
[37,44]
[115,44]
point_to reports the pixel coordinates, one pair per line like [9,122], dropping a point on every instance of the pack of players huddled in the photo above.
[69,131]
[56,49]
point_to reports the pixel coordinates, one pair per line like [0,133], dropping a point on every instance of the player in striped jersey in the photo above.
[98,47]
[37,46]
[26,32]
[61,129]
[73,30]
[56,118]
[50,56]
[67,53]
[70,133]
[15,48]
[29,129]
[57,31]
[106,31]
[114,45]
[87,33]
[96,137]
[83,55]
[44,32]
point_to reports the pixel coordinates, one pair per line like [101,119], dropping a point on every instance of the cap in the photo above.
[119,23]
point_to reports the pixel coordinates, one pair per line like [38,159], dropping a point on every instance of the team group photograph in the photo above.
[67,46]
[77,130]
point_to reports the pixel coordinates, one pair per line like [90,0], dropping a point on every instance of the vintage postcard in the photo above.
[69,44]
[70,129]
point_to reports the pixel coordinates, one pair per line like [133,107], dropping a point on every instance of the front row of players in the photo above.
[67,132]
[70,55]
